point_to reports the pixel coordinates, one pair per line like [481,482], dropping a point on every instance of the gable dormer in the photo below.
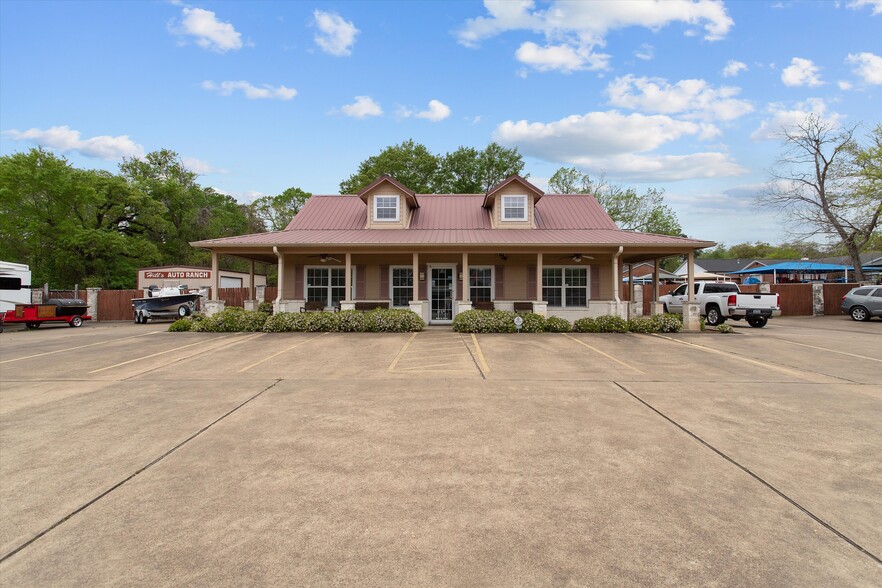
[390,204]
[512,203]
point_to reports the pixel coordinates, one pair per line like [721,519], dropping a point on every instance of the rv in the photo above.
[15,285]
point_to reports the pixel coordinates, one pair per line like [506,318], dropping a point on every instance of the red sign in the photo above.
[181,274]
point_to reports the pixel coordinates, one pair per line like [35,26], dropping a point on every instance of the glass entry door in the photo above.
[442,294]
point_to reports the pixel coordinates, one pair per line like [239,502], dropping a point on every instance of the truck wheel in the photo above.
[76,322]
[714,317]
[32,325]
[757,321]
[859,313]
[183,310]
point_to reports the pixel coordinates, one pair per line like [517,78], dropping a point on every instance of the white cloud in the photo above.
[733,68]
[363,106]
[201,167]
[209,32]
[869,67]
[563,58]
[782,117]
[580,27]
[618,144]
[437,111]
[646,52]
[250,91]
[875,5]
[336,36]
[65,139]
[801,72]
[694,98]
[844,85]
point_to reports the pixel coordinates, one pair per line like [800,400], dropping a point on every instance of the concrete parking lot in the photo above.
[132,456]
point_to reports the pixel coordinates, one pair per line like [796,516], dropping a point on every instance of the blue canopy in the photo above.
[796,266]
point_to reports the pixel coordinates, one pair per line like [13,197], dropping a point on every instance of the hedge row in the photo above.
[660,323]
[236,319]
[502,321]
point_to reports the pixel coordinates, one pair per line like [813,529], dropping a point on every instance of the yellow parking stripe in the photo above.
[485,367]
[269,357]
[825,349]
[401,353]
[151,355]
[610,357]
[79,347]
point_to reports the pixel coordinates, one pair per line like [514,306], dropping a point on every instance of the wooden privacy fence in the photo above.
[116,305]
[833,294]
[796,299]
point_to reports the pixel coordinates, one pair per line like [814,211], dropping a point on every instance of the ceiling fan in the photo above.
[325,257]
[576,257]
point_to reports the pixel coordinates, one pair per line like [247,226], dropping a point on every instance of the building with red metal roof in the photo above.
[514,247]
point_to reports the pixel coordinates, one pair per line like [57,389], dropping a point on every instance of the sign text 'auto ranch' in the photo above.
[178,274]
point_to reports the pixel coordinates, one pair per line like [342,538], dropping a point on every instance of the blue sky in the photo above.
[261,96]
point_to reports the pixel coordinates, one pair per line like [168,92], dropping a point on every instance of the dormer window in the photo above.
[386,208]
[514,208]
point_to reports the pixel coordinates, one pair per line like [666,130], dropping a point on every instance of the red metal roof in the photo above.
[449,219]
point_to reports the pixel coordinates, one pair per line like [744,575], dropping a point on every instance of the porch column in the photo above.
[251,289]
[348,282]
[215,278]
[416,277]
[280,273]
[466,291]
[691,310]
[631,282]
[538,277]
[655,307]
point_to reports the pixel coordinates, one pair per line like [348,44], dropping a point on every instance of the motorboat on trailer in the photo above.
[167,301]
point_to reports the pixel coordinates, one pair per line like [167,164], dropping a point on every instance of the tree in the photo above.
[410,163]
[631,211]
[275,212]
[497,163]
[827,183]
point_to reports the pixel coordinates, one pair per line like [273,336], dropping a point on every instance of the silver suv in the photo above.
[863,303]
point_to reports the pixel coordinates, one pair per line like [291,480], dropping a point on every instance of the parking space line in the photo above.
[149,356]
[482,362]
[79,347]
[802,375]
[220,347]
[420,367]
[269,357]
[435,355]
[401,353]
[606,355]
[825,349]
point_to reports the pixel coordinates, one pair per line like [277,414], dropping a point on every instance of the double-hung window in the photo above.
[326,285]
[514,208]
[481,284]
[565,286]
[402,286]
[385,208]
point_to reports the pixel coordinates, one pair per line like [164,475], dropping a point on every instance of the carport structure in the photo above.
[513,248]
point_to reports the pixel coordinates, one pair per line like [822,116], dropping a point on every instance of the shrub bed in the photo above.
[660,323]
[500,321]
[265,307]
[556,324]
[231,320]
[381,320]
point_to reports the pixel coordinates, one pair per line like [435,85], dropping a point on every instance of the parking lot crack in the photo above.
[134,474]
[755,476]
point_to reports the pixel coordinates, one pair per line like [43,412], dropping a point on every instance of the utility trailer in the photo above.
[55,310]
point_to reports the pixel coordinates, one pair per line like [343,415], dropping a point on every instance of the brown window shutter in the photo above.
[384,282]
[360,281]
[594,277]
[458,270]
[422,287]
[298,282]
[531,282]
[499,277]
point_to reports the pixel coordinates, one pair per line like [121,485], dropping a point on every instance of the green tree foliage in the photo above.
[762,250]
[631,211]
[275,212]
[94,228]
[463,171]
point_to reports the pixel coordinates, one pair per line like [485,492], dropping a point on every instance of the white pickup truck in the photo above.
[719,301]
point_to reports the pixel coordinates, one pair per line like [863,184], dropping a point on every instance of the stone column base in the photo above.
[288,306]
[347,305]
[92,302]
[460,306]
[251,304]
[817,299]
[635,309]
[691,317]
[210,307]
[656,308]
[421,307]
[540,308]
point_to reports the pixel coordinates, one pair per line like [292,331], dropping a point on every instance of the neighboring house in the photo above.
[441,254]
[644,270]
[869,261]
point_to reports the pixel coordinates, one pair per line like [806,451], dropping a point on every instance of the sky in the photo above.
[260,96]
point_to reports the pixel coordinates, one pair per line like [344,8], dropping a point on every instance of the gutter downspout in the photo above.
[280,276]
[615,273]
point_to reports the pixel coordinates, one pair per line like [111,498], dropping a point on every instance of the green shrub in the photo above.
[585,325]
[499,321]
[533,323]
[265,307]
[181,325]
[642,324]
[724,328]
[556,324]
[667,323]
[380,320]
[231,320]
[611,324]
